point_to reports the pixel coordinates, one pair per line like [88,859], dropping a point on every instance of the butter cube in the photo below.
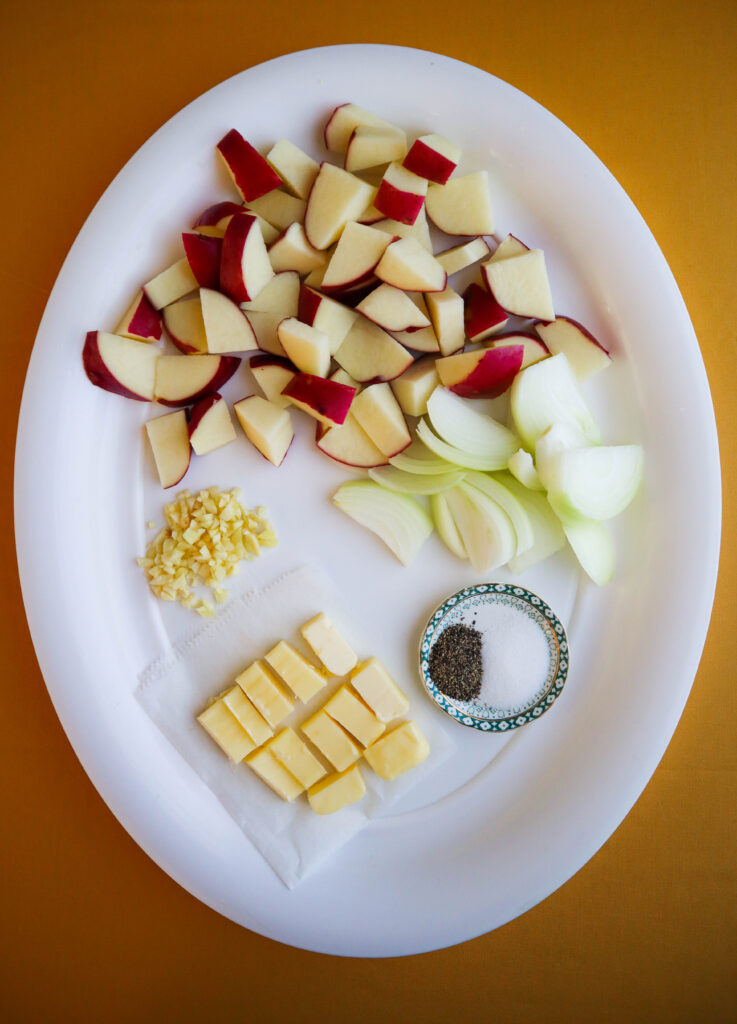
[337,791]
[293,754]
[300,675]
[240,706]
[226,730]
[331,740]
[374,684]
[274,774]
[401,749]
[335,654]
[264,690]
[345,707]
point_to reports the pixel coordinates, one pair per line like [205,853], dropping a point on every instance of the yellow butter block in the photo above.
[274,774]
[331,740]
[300,675]
[401,749]
[240,706]
[266,692]
[226,730]
[350,712]
[337,791]
[374,684]
[336,655]
[293,754]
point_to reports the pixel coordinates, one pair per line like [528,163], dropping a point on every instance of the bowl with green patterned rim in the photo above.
[548,654]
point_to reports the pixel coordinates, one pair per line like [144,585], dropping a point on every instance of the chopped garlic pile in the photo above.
[206,537]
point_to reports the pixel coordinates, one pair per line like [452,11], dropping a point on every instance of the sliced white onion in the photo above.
[400,521]
[594,548]
[446,527]
[522,467]
[419,459]
[546,393]
[484,463]
[485,528]
[415,483]
[561,437]
[459,423]
[494,488]
[594,483]
[548,532]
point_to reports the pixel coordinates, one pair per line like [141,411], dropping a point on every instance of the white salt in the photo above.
[515,653]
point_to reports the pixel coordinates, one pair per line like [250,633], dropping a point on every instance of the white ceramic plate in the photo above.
[505,825]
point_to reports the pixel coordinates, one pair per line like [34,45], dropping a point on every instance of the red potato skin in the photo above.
[353,295]
[203,256]
[227,367]
[254,177]
[481,311]
[265,359]
[493,373]
[184,348]
[349,288]
[574,323]
[397,204]
[321,430]
[197,412]
[328,397]
[426,162]
[231,267]
[146,321]
[498,243]
[326,132]
[499,339]
[98,373]
[217,212]
[308,305]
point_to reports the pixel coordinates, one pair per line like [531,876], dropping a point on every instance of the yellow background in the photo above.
[91,929]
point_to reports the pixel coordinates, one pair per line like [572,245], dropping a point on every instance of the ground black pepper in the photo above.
[456,664]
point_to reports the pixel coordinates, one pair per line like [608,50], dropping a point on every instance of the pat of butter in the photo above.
[293,754]
[401,749]
[337,791]
[226,730]
[300,675]
[240,706]
[350,712]
[264,690]
[335,654]
[274,774]
[331,740]
[374,684]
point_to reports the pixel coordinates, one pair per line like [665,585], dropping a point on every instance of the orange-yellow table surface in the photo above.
[91,929]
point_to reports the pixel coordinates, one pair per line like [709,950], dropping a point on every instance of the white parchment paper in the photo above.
[175,688]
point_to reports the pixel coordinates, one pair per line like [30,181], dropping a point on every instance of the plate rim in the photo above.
[25,439]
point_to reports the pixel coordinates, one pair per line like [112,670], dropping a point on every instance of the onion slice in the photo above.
[400,521]
[522,468]
[485,528]
[459,423]
[546,393]
[446,527]
[419,459]
[594,483]
[484,463]
[546,527]
[593,546]
[494,487]
[415,483]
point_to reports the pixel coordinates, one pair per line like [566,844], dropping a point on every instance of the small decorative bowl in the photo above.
[476,714]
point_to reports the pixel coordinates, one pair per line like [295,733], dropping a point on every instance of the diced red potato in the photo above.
[251,174]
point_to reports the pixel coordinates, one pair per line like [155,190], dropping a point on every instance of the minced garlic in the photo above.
[206,537]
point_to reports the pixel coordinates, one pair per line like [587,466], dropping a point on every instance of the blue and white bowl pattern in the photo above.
[476,714]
